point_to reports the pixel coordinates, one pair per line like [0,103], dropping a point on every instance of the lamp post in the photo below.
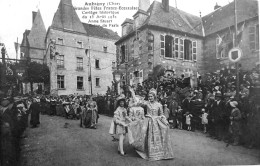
[3,77]
[90,77]
[117,76]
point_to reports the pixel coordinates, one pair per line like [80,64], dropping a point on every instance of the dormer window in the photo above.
[105,48]
[60,41]
[79,44]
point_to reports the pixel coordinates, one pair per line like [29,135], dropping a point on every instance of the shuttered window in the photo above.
[252,37]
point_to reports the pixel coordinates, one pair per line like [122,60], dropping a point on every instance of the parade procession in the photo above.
[172,88]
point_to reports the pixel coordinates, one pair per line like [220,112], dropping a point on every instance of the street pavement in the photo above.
[54,145]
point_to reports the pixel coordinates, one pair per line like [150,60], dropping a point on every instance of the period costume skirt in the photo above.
[91,118]
[150,138]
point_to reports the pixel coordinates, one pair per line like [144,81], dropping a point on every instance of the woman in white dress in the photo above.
[150,136]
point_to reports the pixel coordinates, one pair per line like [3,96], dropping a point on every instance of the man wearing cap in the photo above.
[235,118]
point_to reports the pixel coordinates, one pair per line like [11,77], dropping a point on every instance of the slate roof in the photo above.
[224,16]
[67,18]
[98,31]
[128,20]
[175,19]
[25,38]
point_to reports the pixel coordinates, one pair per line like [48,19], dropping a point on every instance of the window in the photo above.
[98,82]
[136,74]
[60,81]
[79,63]
[150,65]
[21,55]
[169,46]
[60,41]
[97,64]
[187,50]
[254,37]
[80,83]
[113,64]
[79,44]
[123,54]
[60,61]
[162,45]
[141,74]
[105,48]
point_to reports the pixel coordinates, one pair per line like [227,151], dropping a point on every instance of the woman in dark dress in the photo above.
[35,113]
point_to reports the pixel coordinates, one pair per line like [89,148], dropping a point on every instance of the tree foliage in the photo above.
[37,73]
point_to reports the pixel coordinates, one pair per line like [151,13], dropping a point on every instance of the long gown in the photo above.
[150,137]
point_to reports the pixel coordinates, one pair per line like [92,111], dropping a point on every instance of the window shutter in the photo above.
[194,50]
[252,37]
[218,52]
[176,42]
[173,48]
[181,48]
[190,51]
[257,37]
[162,45]
[126,52]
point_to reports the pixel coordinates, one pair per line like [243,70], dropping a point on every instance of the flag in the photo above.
[17,46]
[240,33]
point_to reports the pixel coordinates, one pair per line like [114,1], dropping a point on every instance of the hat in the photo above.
[120,98]
[20,105]
[153,91]
[5,103]
[218,94]
[233,104]
[196,91]
[217,87]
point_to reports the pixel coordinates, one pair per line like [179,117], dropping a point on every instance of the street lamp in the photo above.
[117,77]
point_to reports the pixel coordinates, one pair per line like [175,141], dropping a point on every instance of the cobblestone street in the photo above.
[53,145]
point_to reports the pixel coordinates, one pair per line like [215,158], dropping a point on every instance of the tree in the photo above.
[37,73]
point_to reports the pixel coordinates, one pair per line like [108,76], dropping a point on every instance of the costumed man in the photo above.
[35,113]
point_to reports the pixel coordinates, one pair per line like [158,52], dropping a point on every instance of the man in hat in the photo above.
[235,118]
[218,108]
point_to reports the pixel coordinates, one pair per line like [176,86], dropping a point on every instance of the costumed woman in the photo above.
[150,137]
[120,123]
[92,113]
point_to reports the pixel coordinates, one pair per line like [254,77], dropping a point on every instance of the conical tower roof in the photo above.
[38,32]
[67,18]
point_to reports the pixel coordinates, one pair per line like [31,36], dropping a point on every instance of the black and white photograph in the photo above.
[129,82]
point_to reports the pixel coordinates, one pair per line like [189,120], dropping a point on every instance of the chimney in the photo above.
[33,16]
[216,6]
[165,4]
[144,5]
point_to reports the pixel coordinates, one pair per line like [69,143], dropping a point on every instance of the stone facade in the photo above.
[250,57]
[208,39]
[77,44]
